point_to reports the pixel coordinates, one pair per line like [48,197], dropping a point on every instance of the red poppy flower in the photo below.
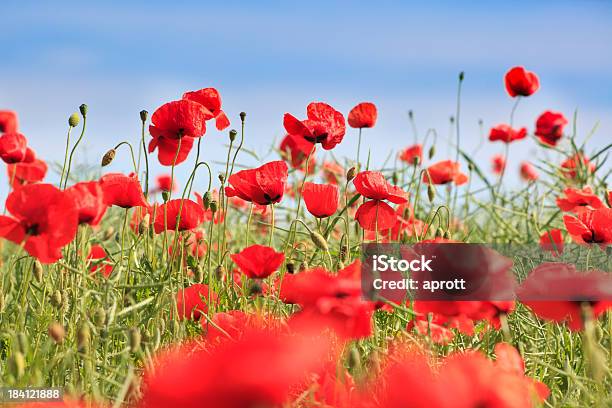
[211,100]
[436,330]
[363,115]
[164,182]
[233,323]
[191,215]
[264,185]
[97,256]
[45,220]
[552,241]
[520,82]
[296,150]
[445,172]
[575,164]
[321,199]
[508,359]
[308,287]
[555,291]
[122,191]
[590,226]
[576,200]
[507,134]
[376,214]
[549,127]
[324,125]
[13,147]
[528,172]
[333,172]
[8,122]
[89,200]
[412,154]
[26,172]
[499,163]
[258,261]
[192,301]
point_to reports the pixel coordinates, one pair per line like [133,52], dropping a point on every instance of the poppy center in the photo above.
[1,128]
[180,132]
[316,138]
[269,199]
[32,230]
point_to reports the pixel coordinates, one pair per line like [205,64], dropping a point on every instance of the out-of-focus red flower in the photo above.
[499,163]
[333,172]
[552,240]
[192,301]
[590,226]
[363,115]
[232,323]
[258,261]
[306,288]
[264,185]
[508,359]
[520,82]
[549,127]
[178,214]
[177,123]
[8,122]
[376,214]
[507,134]
[576,200]
[321,199]
[263,368]
[89,200]
[436,330]
[164,182]
[412,154]
[97,256]
[122,191]
[44,219]
[576,163]
[296,150]
[27,172]
[13,147]
[197,244]
[211,100]
[555,291]
[444,172]
[324,125]
[528,172]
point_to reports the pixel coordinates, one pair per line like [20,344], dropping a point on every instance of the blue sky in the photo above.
[270,58]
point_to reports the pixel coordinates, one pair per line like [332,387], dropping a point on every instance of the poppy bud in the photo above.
[255,288]
[206,199]
[83,336]
[213,206]
[431,193]
[447,235]
[144,224]
[470,166]
[480,122]
[410,114]
[343,252]
[319,241]
[394,177]
[144,115]
[303,266]
[57,333]
[221,178]
[439,233]
[220,272]
[108,233]
[452,119]
[73,120]
[432,151]
[165,196]
[232,135]
[290,267]
[135,339]
[108,157]
[22,343]
[83,109]
[351,173]
[242,116]
[37,269]
[99,317]
[56,298]
[16,364]
[461,76]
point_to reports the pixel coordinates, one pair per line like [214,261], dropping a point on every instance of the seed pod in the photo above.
[432,151]
[221,178]
[439,233]
[165,196]
[431,193]
[37,269]
[135,339]
[213,206]
[56,298]
[108,157]
[232,135]
[447,235]
[99,317]
[83,336]
[83,108]
[290,267]
[461,76]
[74,119]
[220,272]
[144,115]
[206,199]
[242,116]
[351,173]
[319,241]
[56,332]
[16,364]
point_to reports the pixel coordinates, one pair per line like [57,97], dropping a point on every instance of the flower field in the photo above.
[243,287]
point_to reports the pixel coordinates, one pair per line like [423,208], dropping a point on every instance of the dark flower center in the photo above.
[316,138]
[32,230]
[269,199]
[1,128]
